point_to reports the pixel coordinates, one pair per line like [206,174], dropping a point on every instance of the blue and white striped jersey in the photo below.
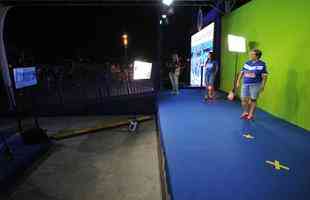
[253,71]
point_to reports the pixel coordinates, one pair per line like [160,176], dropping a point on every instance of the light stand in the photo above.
[236,44]
[235,73]
[125,53]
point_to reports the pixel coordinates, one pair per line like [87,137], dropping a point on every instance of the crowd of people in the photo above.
[251,80]
[121,72]
[56,74]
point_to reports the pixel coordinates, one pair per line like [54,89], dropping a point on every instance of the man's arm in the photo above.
[264,81]
[216,68]
[239,79]
[264,78]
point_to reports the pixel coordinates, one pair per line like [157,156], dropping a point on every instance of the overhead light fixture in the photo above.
[167,2]
[164,16]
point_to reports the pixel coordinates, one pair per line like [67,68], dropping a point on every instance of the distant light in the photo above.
[164,16]
[125,36]
[160,21]
[167,2]
[125,39]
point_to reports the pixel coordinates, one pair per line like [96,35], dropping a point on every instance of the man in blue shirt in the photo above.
[254,74]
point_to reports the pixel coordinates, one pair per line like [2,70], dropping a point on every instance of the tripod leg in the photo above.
[7,150]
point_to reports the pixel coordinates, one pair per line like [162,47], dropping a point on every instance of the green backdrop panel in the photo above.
[281,29]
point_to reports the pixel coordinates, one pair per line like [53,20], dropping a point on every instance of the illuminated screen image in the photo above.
[142,70]
[25,77]
[201,45]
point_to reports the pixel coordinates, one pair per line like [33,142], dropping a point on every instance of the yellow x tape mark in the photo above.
[248,136]
[277,165]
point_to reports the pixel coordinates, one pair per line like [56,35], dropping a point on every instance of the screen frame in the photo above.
[141,61]
[24,67]
[213,49]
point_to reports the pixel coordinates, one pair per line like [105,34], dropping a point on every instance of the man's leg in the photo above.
[252,108]
[171,76]
[207,84]
[211,91]
[211,86]
[254,93]
[245,96]
[176,79]
[246,105]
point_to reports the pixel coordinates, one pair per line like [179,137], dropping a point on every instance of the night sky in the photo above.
[52,34]
[177,34]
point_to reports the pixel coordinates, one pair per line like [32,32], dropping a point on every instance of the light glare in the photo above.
[167,2]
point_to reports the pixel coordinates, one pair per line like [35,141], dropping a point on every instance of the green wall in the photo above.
[281,29]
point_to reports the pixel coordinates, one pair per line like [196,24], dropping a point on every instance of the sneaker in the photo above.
[212,98]
[249,117]
[244,116]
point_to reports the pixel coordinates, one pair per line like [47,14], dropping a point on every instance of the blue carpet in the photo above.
[208,158]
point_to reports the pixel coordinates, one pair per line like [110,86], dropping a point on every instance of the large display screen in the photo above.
[25,77]
[201,45]
[142,70]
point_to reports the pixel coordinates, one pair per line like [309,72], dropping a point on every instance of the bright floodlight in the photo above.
[236,44]
[164,16]
[167,2]
[142,70]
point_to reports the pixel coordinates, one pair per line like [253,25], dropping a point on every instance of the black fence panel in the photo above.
[86,90]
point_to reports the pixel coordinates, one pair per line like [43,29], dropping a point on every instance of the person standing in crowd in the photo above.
[211,69]
[175,70]
[254,74]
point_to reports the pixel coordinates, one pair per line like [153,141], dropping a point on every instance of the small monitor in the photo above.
[142,70]
[236,44]
[25,77]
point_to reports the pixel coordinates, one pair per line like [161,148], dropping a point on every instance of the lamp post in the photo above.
[125,43]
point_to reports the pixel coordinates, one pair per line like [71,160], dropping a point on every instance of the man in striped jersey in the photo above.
[254,74]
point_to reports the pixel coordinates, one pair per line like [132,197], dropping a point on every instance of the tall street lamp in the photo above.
[125,43]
